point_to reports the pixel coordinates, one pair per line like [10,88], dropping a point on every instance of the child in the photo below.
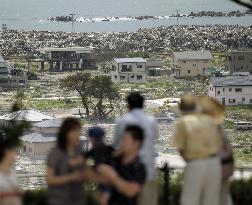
[100,154]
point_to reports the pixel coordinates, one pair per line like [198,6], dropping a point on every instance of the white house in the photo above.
[29,115]
[38,144]
[231,90]
[131,70]
[11,77]
[190,63]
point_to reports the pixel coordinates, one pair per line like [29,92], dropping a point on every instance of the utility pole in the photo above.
[73,20]
[177,17]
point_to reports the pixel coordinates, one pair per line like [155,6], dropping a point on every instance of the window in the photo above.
[184,61]
[133,76]
[243,99]
[139,77]
[250,101]
[122,77]
[240,58]
[125,68]
[188,71]
[238,90]
[229,58]
[218,92]
[230,89]
[194,65]
[113,67]
[139,66]
[223,89]
[115,76]
[21,81]
[231,100]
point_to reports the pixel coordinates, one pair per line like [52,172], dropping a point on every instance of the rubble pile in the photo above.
[213,38]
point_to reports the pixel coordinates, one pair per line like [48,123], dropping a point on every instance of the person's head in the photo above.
[135,100]
[69,133]
[8,150]
[96,135]
[187,104]
[132,139]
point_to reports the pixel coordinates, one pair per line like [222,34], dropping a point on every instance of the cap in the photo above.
[96,132]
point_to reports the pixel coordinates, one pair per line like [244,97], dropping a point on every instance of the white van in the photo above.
[243,125]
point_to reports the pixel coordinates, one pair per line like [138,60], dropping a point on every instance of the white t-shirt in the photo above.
[8,184]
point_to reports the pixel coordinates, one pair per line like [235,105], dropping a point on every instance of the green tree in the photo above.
[98,93]
[105,68]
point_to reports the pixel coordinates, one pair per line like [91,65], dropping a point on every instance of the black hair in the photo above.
[135,100]
[137,133]
[5,144]
[67,126]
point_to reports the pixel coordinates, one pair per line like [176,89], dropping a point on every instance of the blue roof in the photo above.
[232,81]
[130,60]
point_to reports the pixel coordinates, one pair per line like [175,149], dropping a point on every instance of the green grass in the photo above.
[240,112]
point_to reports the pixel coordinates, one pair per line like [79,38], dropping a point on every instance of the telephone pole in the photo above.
[177,17]
[73,20]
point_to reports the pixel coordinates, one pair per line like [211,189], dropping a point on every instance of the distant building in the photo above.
[231,90]
[70,58]
[239,61]
[190,63]
[11,77]
[131,70]
[29,115]
[38,144]
[157,68]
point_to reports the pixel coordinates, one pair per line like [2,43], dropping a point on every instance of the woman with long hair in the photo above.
[65,178]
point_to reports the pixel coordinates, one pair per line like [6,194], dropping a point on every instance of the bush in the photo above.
[241,191]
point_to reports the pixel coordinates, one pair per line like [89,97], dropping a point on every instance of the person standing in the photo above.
[127,174]
[137,116]
[65,166]
[215,109]
[10,193]
[198,139]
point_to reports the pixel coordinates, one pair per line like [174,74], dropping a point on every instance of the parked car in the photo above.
[243,125]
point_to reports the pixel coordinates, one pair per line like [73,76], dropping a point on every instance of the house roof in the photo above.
[38,138]
[193,55]
[52,123]
[232,81]
[130,60]
[75,49]
[28,115]
[42,138]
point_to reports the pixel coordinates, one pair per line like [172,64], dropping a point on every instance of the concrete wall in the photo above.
[37,149]
[229,96]
[190,68]
[136,75]
[239,61]
[45,130]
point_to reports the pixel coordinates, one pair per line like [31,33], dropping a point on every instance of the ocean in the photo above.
[33,14]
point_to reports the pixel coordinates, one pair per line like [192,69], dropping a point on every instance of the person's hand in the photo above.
[77,176]
[107,171]
[104,198]
[76,161]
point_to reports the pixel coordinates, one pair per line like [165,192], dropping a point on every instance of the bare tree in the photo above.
[246,3]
